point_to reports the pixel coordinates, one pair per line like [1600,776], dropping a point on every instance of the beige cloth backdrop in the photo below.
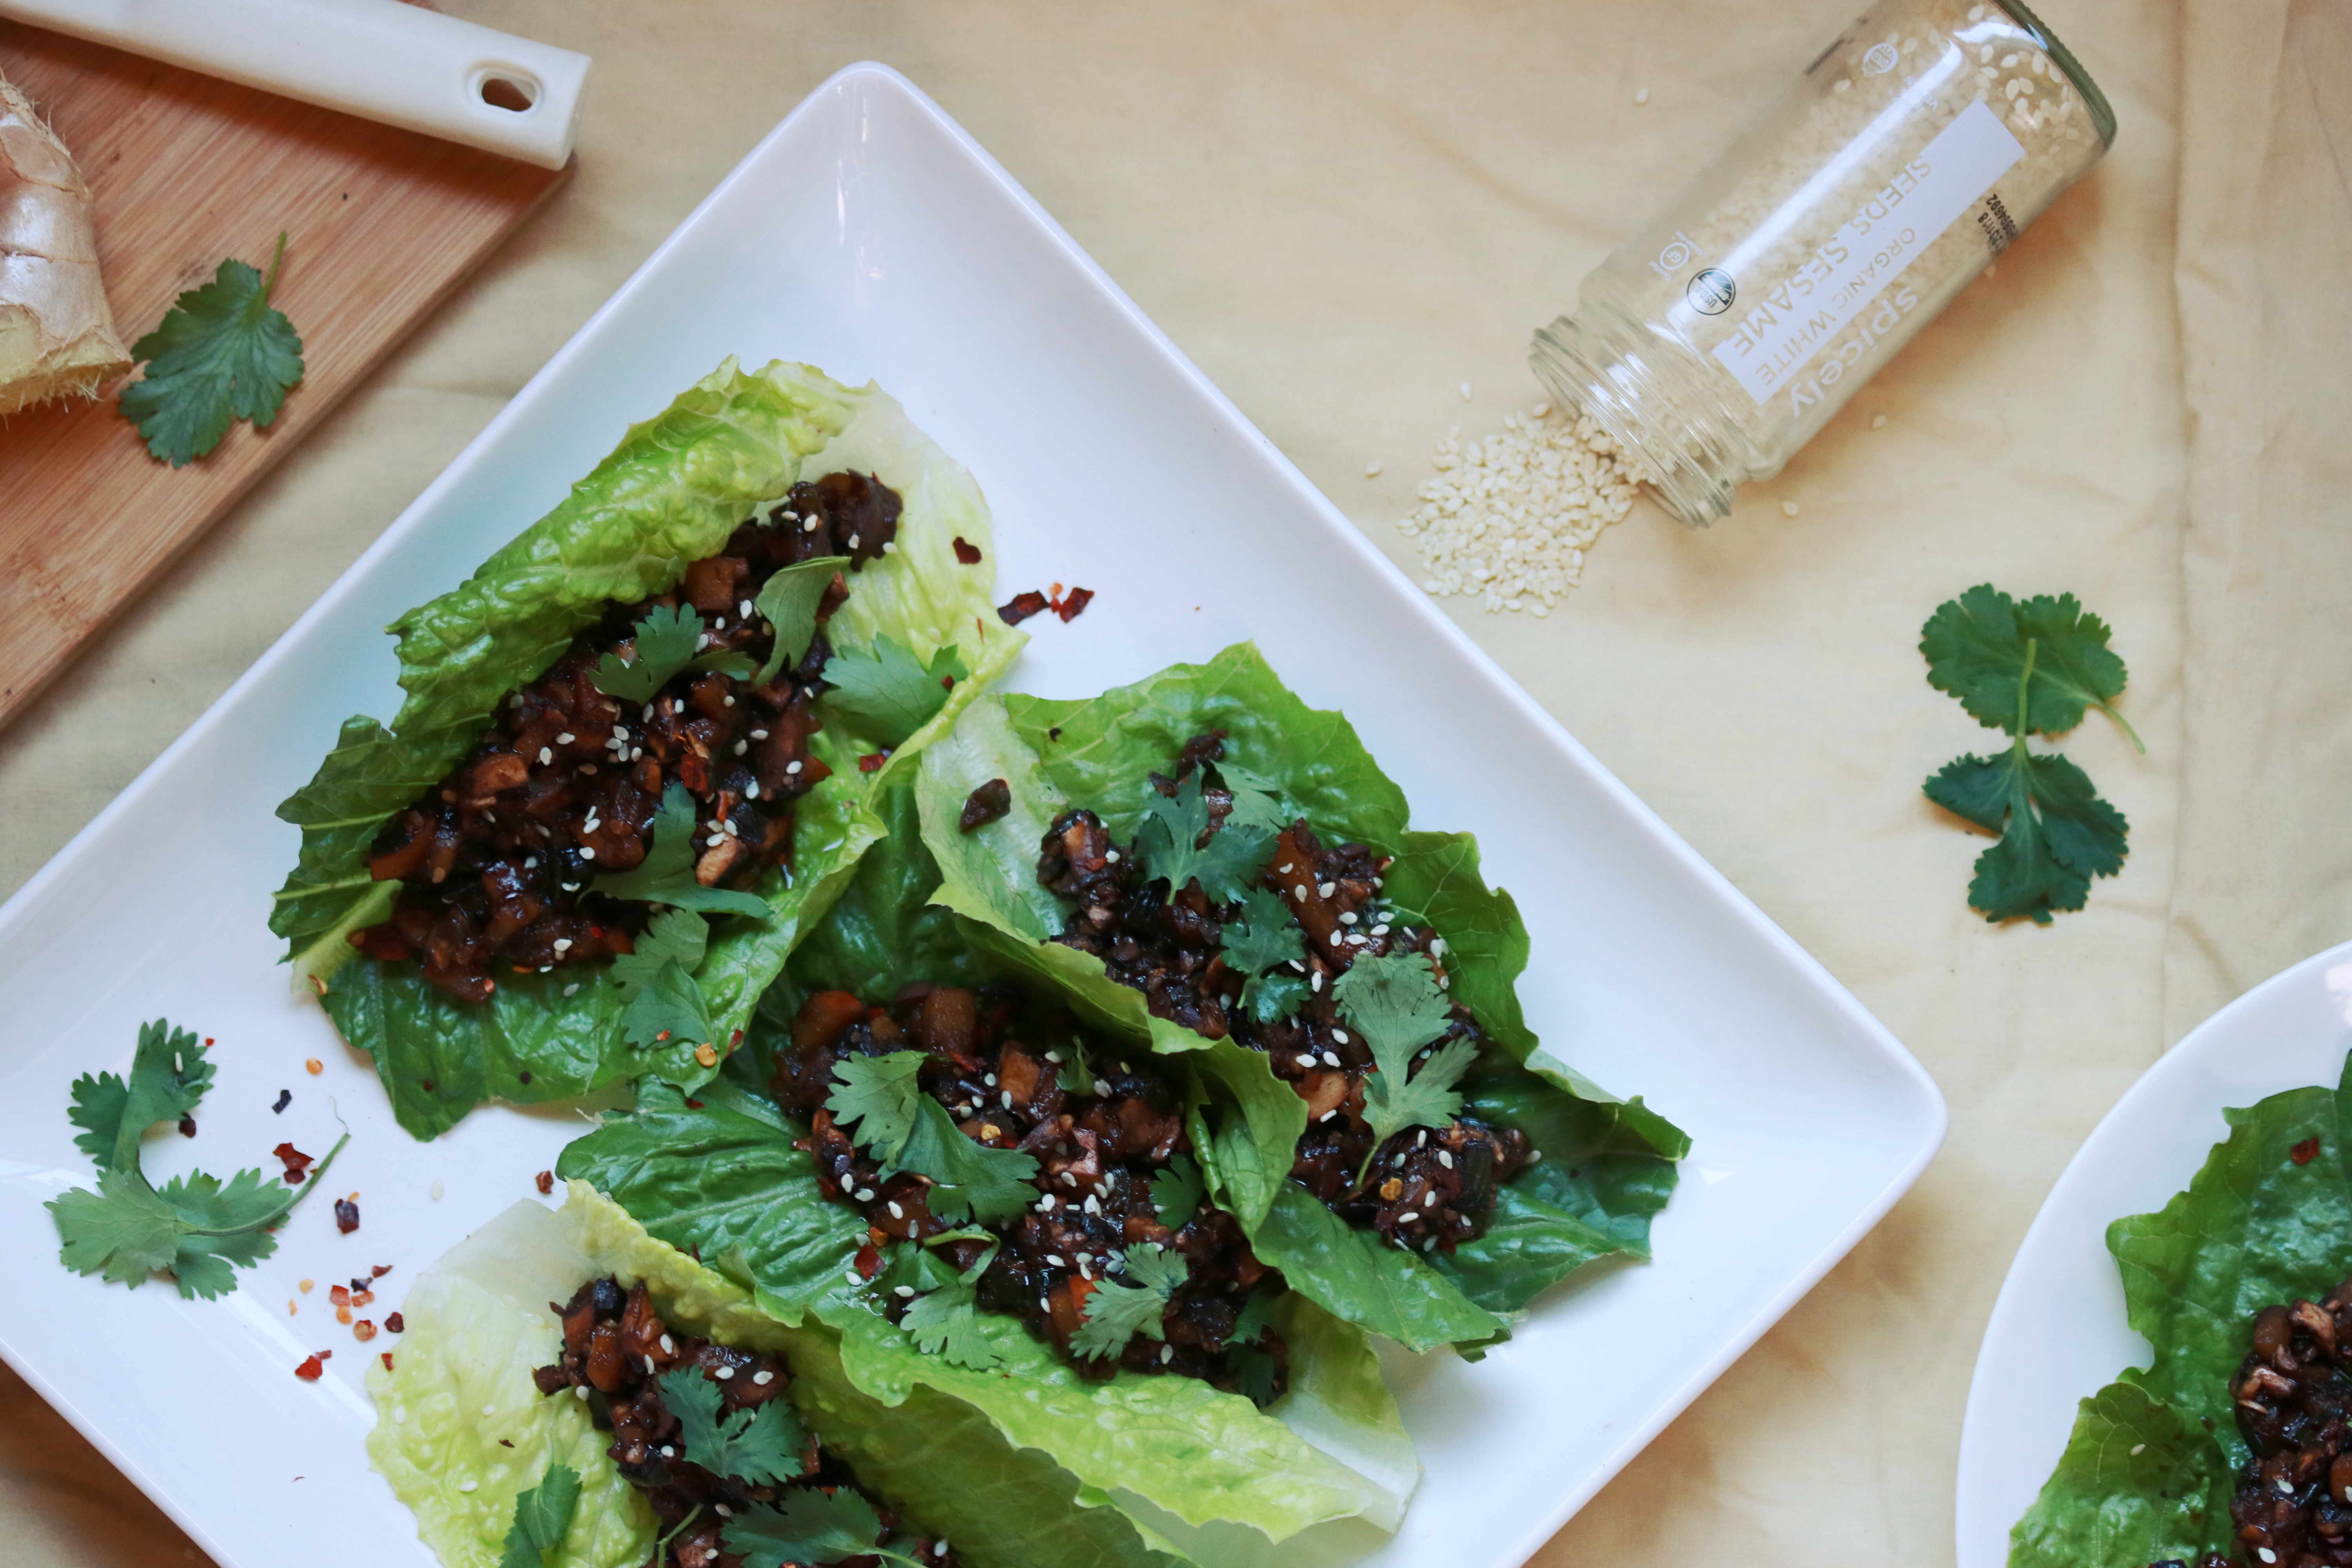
[1342,211]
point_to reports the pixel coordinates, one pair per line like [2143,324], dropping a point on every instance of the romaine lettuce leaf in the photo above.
[478,1324]
[672,492]
[1608,1165]
[2256,1226]
[724,1181]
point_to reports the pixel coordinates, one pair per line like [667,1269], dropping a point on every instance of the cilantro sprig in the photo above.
[2034,667]
[666,876]
[943,1319]
[765,1445]
[907,1129]
[197,1228]
[665,1001]
[542,1519]
[1176,1191]
[789,600]
[667,640]
[1263,936]
[220,354]
[885,692]
[1394,1004]
[1226,862]
[1116,1312]
[809,1525]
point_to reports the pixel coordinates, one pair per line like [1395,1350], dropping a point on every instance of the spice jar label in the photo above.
[1788,325]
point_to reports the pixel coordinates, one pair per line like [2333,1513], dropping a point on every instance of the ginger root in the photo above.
[56,335]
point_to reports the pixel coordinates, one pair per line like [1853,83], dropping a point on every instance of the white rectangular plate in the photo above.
[869,236]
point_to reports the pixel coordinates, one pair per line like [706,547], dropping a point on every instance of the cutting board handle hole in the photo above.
[516,94]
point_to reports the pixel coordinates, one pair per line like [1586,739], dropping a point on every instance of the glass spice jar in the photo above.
[1719,338]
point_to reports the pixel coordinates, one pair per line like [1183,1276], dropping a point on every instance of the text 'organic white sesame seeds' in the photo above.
[1508,519]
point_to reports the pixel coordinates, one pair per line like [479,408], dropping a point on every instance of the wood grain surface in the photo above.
[381,223]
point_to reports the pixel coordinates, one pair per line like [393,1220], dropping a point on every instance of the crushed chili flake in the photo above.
[306,1285]
[396,1323]
[967,552]
[310,1370]
[1071,607]
[2304,1153]
[872,762]
[693,1105]
[285,1099]
[546,1181]
[707,1054]
[869,1261]
[340,1295]
[363,1297]
[187,1127]
[298,1163]
[363,1330]
[347,1215]
[313,1066]
[1020,607]
[344,1315]
[387,1366]
[379,1270]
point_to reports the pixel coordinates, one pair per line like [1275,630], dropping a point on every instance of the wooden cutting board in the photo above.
[381,225]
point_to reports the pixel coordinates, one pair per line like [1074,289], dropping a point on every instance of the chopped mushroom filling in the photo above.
[2293,1503]
[497,863]
[618,1353]
[1430,1188]
[1101,1132]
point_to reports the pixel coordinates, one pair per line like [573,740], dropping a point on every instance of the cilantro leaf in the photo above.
[1170,842]
[907,1129]
[667,640]
[1258,1316]
[1395,1005]
[220,354]
[764,1445]
[1271,998]
[808,1526]
[946,1323]
[1256,1371]
[1176,1191]
[542,1519]
[884,693]
[789,601]
[2056,834]
[1979,645]
[658,978]
[1265,934]
[198,1227]
[666,876]
[1077,1075]
[1116,1313]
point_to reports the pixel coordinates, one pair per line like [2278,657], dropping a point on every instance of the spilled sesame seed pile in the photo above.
[1508,519]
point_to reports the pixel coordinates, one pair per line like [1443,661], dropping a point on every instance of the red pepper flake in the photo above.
[546,1181]
[340,1295]
[380,1270]
[1070,608]
[310,1370]
[966,552]
[298,1163]
[347,1215]
[387,1361]
[363,1297]
[693,1105]
[869,1261]
[1020,607]
[187,1127]
[872,762]
[734,1040]
[208,1042]
[363,1330]
[396,1324]
[2304,1153]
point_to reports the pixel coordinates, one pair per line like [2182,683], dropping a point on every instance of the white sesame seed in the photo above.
[546,755]
[1408,1217]
[724,1373]
[728,702]
[853,541]
[1641,95]
[436,1190]
[1336,934]
[587,853]
[563,945]
[580,1393]
[719,623]
[895,1212]
[2138,1449]
[1373,469]
[1421,1139]
[571,886]
[1110,857]
[731,831]
[1347,917]
[572,989]
[989,1078]
[1465,392]
[715,840]
[865,1195]
[762,1378]
[810,526]
[903,1290]
[1045,1203]
[1330,1059]
[1788,509]
[1328,1114]
[566,739]
[1056,1259]
[1445,1159]
[1314,981]
[467,1486]
[792,767]
[1053,1056]
[1437,947]
[2265,1553]
[1305,1059]
[751,790]
[650,1366]
[850,1275]
[1068,1180]
[1326,890]
[743,609]
[1167,1354]
[1008,1100]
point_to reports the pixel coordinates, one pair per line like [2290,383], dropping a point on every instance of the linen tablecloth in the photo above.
[1343,212]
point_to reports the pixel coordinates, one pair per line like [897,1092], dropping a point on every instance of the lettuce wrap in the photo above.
[673,491]
[1606,1165]
[2150,1467]
[461,1429]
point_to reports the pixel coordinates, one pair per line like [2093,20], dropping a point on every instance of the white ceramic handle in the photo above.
[380,59]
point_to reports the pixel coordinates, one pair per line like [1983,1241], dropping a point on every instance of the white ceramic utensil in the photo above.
[380,59]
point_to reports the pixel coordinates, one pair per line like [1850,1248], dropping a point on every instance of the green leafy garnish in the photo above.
[884,693]
[764,1445]
[2056,834]
[198,1227]
[664,1003]
[1176,1190]
[790,601]
[808,1526]
[666,876]
[220,354]
[542,1519]
[1258,1316]
[944,1320]
[667,639]
[1978,647]
[907,1129]
[1077,1075]
[1395,1005]
[1116,1313]
[1263,934]
[1271,998]
[1170,841]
